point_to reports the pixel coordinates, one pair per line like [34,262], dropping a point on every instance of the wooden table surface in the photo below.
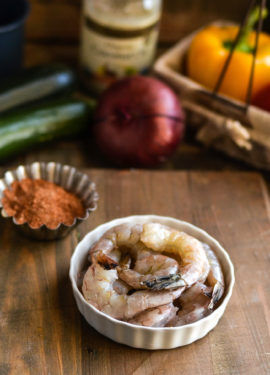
[42,331]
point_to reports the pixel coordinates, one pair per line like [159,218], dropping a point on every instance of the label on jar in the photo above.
[107,54]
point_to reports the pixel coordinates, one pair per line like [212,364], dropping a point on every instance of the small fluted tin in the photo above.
[139,336]
[67,177]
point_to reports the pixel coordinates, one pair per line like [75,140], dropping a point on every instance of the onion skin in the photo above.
[139,122]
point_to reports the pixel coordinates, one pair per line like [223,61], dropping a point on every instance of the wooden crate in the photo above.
[221,124]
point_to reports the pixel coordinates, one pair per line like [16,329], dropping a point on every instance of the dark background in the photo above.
[53,28]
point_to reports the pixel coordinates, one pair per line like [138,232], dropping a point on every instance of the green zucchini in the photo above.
[29,127]
[35,84]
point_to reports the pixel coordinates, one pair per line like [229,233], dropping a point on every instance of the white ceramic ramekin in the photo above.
[148,337]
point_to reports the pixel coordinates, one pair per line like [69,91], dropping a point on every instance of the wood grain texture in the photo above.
[83,153]
[43,333]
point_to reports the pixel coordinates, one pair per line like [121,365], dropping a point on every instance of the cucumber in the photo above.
[33,126]
[35,84]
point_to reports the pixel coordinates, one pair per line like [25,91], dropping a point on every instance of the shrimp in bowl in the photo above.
[139,272]
[148,307]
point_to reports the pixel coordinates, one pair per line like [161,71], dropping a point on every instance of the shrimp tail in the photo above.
[165,282]
[107,262]
[216,294]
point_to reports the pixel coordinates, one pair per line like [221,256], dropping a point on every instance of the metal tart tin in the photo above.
[65,176]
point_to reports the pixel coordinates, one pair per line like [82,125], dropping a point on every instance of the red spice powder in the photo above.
[39,202]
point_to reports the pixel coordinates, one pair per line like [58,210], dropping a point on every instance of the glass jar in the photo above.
[118,39]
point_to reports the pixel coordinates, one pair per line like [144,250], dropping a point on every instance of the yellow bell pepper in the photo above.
[209,50]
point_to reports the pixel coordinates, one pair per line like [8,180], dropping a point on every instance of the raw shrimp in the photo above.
[106,252]
[198,301]
[149,267]
[194,265]
[156,317]
[215,277]
[98,289]
[194,305]
[120,287]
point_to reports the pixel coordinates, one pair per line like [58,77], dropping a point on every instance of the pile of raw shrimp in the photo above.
[152,275]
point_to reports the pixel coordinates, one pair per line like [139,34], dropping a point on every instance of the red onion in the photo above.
[262,99]
[139,121]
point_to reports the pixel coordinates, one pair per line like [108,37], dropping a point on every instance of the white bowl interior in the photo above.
[126,333]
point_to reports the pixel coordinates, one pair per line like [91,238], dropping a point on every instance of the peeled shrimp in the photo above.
[120,287]
[105,250]
[194,265]
[98,289]
[198,301]
[215,276]
[149,267]
[156,317]
[194,305]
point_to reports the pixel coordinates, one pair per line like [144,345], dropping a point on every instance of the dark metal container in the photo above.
[13,14]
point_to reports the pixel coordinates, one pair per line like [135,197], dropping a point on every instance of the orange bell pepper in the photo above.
[210,48]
